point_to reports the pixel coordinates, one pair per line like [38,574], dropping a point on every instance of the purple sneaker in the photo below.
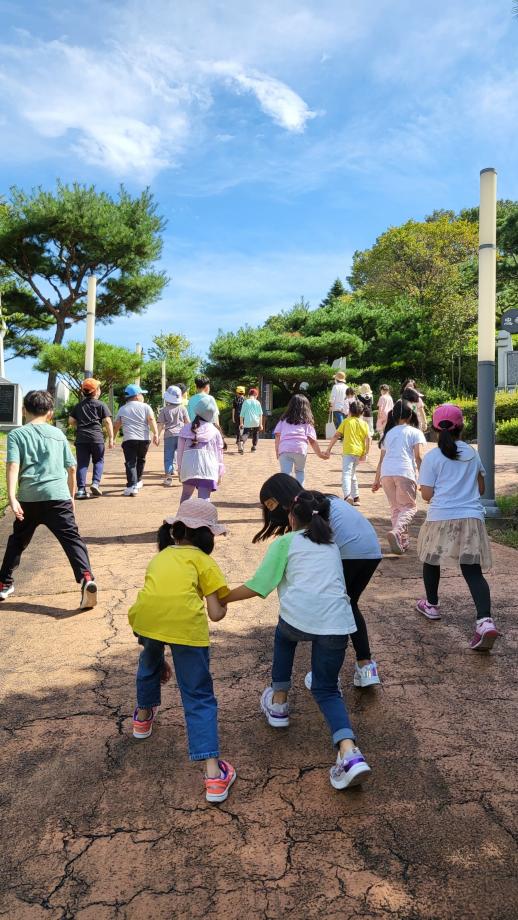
[277,714]
[350,770]
[485,636]
[430,611]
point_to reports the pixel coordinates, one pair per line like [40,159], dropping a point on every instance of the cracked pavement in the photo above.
[95,825]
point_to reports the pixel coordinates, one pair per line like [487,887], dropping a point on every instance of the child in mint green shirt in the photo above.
[250,420]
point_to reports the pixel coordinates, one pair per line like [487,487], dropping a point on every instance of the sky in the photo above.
[277,138]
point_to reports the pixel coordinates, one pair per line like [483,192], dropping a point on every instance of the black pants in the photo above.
[247,432]
[60,520]
[357,574]
[135,457]
[477,584]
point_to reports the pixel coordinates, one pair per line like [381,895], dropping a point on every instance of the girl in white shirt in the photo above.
[306,568]
[400,459]
[452,481]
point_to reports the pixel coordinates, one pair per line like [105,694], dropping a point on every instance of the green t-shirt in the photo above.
[44,457]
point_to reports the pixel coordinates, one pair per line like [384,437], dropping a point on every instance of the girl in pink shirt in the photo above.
[385,405]
[293,432]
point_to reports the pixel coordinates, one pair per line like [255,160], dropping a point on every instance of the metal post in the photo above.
[138,349]
[486,334]
[90,326]
[111,404]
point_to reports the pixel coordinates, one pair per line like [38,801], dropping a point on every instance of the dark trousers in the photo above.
[477,584]
[253,432]
[135,457]
[357,574]
[60,520]
[85,453]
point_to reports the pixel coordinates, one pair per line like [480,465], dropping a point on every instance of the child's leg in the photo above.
[204,491]
[431,578]
[97,453]
[327,657]
[406,490]
[286,463]
[174,448]
[388,484]
[355,491]
[479,589]
[191,664]
[357,574]
[83,460]
[143,447]
[255,436]
[347,474]
[60,520]
[23,532]
[149,671]
[187,491]
[168,456]
[130,460]
[299,462]
[284,647]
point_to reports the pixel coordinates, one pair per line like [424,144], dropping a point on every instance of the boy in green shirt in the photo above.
[40,463]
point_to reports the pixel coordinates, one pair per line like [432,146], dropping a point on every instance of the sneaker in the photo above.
[81,494]
[356,501]
[277,714]
[350,770]
[367,676]
[253,450]
[395,543]
[143,728]
[5,591]
[308,682]
[217,788]
[485,636]
[430,611]
[168,481]
[95,489]
[241,449]
[140,485]
[88,592]
[130,490]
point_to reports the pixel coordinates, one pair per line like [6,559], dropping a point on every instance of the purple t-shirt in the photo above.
[294,438]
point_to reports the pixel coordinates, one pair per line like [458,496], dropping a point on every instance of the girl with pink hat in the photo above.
[451,481]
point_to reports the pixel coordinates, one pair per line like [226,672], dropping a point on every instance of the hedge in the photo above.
[507,432]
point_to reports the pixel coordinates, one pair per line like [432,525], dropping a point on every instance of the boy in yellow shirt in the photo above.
[356,443]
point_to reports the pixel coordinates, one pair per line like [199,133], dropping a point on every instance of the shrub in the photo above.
[320,410]
[507,432]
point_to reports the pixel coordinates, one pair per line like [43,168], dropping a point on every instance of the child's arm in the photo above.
[367,448]
[481,484]
[277,442]
[240,594]
[418,455]
[161,427]
[377,479]
[324,455]
[117,425]
[336,437]
[72,422]
[427,493]
[12,481]
[215,610]
[108,424]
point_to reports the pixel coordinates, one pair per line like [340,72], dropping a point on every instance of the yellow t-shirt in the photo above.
[354,431]
[170,606]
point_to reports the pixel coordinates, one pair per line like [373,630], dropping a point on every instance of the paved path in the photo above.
[97,826]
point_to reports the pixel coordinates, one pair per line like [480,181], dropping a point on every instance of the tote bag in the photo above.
[330,427]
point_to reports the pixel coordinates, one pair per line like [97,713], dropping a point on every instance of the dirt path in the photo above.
[97,826]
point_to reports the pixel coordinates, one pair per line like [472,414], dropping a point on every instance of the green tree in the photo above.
[114,366]
[50,242]
[169,345]
[336,290]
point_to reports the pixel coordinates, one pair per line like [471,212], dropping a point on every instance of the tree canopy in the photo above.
[114,366]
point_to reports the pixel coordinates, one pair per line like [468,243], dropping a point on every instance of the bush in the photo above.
[507,432]
[320,410]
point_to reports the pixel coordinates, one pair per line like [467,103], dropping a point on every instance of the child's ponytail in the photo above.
[448,437]
[200,537]
[313,514]
[194,428]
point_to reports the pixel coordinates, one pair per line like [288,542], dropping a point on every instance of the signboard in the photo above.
[509,321]
[512,368]
[7,397]
[267,397]
[341,364]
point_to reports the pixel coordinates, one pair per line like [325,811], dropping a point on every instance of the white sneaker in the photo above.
[140,485]
[308,682]
[130,490]
[277,714]
[5,591]
[366,676]
[350,770]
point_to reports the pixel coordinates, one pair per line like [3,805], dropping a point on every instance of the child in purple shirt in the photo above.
[293,432]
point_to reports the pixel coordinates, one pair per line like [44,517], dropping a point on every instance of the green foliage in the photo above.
[114,366]
[178,370]
[320,410]
[507,432]
[336,290]
[169,345]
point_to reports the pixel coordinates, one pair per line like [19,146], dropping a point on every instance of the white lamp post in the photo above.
[90,326]
[138,349]
[486,333]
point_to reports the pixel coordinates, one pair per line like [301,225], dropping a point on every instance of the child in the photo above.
[88,417]
[169,610]
[171,418]
[306,568]
[359,550]
[237,405]
[251,419]
[200,452]
[337,401]
[385,405]
[452,481]
[401,455]
[137,420]
[202,384]
[411,393]
[40,463]
[365,397]
[356,444]
[293,432]
[350,396]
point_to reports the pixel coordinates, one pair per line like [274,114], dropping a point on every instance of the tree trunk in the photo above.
[57,340]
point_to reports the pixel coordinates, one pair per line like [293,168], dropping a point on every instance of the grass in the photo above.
[505,529]
[3,487]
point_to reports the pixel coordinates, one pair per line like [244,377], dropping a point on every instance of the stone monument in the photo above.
[10,393]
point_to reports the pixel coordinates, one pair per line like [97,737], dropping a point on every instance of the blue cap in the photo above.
[133,389]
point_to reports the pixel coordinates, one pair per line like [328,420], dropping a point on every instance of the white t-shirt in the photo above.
[338,399]
[455,484]
[399,446]
[134,416]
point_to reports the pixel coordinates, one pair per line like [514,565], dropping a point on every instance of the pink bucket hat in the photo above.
[447,416]
[197,512]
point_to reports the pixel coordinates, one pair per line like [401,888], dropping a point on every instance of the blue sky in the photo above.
[276,137]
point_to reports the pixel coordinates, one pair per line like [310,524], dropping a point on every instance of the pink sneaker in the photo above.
[485,636]
[142,729]
[430,611]
[395,543]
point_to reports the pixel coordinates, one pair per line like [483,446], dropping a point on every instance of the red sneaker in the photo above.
[143,728]
[217,788]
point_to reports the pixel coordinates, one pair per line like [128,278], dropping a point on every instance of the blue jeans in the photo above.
[84,453]
[338,418]
[191,665]
[327,657]
[288,461]
[170,446]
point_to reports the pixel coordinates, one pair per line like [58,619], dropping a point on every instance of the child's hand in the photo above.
[375,485]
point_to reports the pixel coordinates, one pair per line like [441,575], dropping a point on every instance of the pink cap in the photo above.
[197,512]
[447,416]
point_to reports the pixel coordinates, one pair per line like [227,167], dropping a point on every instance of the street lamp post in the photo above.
[90,326]
[486,333]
